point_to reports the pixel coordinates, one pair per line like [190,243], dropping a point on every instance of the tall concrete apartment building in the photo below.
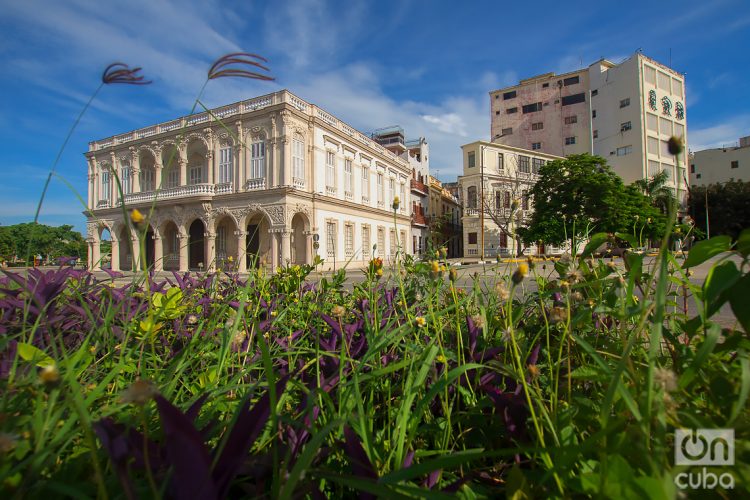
[278,181]
[623,112]
[416,153]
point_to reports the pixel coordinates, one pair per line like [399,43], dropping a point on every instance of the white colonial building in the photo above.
[269,181]
[495,187]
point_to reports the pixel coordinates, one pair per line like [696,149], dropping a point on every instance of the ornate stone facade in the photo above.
[252,189]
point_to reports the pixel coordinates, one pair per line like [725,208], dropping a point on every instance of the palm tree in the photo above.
[658,192]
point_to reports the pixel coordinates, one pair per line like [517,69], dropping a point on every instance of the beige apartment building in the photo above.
[718,165]
[623,112]
[269,181]
[495,187]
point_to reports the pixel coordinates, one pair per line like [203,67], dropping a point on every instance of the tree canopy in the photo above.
[728,207]
[582,194]
[48,241]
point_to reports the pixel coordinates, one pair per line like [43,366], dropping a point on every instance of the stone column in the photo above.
[286,247]
[210,166]
[158,253]
[241,251]
[136,257]
[210,252]
[94,255]
[136,171]
[183,242]
[274,250]
[158,173]
[183,172]
[115,254]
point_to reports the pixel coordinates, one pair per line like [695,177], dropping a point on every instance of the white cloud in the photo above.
[716,136]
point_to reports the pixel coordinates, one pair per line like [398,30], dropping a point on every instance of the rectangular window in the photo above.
[331,170]
[348,181]
[735,164]
[594,92]
[349,239]
[679,129]
[571,81]
[498,200]
[570,141]
[536,145]
[392,236]
[331,239]
[471,196]
[545,85]
[510,111]
[653,168]
[537,126]
[391,190]
[221,242]
[509,95]
[649,74]
[497,113]
[366,241]
[536,164]
[625,150]
[506,199]
[257,160]
[523,164]
[593,113]
[298,160]
[104,195]
[173,176]
[663,81]
[500,162]
[692,168]
[225,165]
[525,200]
[472,238]
[147,179]
[196,174]
[507,131]
[381,240]
[402,190]
[625,102]
[569,120]
[651,122]
[380,189]
[573,99]
[596,134]
[126,181]
[624,127]
[472,159]
[365,184]
[531,108]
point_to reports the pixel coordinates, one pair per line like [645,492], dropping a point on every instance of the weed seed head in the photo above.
[49,376]
[139,393]
[421,321]
[520,273]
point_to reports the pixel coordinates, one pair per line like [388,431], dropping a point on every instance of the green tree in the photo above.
[728,207]
[656,189]
[39,239]
[582,194]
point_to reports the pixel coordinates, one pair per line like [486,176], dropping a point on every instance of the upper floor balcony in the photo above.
[200,191]
[419,187]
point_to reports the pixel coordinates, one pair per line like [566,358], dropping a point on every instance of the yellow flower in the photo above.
[274,314]
[379,273]
[421,322]
[49,375]
[396,202]
[139,393]
[435,266]
[533,371]
[136,217]
[230,258]
[441,359]
[520,274]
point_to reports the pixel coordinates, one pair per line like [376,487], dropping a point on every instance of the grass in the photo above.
[276,387]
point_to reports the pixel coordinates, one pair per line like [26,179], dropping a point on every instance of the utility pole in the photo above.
[481,196]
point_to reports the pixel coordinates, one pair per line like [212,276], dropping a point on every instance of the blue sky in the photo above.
[427,65]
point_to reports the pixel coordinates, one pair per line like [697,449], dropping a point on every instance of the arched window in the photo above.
[106,187]
[257,159]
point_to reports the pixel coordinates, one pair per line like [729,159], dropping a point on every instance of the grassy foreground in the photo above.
[214,386]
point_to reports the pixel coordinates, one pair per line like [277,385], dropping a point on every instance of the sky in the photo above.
[425,65]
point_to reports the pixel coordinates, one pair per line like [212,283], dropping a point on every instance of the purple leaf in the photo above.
[187,454]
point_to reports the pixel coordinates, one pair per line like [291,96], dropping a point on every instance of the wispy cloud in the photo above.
[719,135]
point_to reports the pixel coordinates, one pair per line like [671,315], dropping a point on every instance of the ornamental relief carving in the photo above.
[276,213]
